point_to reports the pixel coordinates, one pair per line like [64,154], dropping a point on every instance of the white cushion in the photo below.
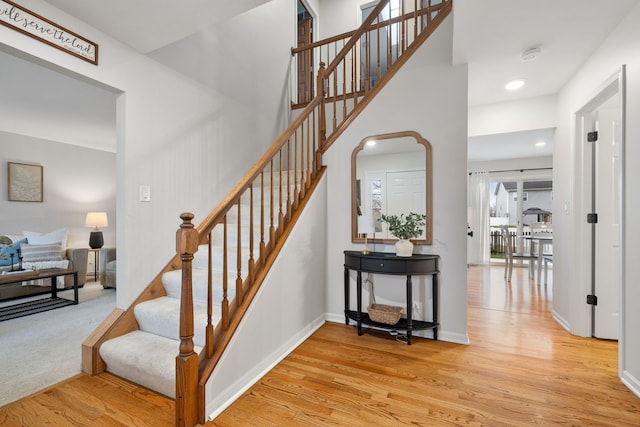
[57,236]
[49,252]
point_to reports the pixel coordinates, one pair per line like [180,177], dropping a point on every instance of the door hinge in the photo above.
[592,218]
[592,300]
[592,136]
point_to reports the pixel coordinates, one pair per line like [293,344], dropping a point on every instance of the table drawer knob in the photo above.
[381,264]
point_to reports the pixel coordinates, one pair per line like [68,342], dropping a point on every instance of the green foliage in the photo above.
[405,227]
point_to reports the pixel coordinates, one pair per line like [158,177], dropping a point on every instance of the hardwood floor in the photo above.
[103,400]
[521,369]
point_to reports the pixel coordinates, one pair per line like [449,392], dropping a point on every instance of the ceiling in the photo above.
[566,31]
[147,25]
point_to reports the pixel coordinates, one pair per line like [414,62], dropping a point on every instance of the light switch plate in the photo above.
[145,193]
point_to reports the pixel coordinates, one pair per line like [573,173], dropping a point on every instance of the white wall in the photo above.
[621,47]
[428,95]
[175,133]
[339,16]
[288,308]
[76,180]
[513,116]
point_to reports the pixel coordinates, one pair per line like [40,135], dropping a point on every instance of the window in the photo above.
[525,196]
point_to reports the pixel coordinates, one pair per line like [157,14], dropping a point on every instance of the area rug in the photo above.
[45,348]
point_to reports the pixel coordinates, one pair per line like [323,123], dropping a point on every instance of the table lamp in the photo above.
[96,219]
[366,226]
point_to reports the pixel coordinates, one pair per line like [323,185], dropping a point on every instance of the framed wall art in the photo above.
[29,23]
[25,182]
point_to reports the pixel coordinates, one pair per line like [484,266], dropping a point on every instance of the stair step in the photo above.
[245,213]
[161,316]
[145,359]
[232,257]
[277,177]
[217,236]
[172,282]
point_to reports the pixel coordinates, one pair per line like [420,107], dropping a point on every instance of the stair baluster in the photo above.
[187,359]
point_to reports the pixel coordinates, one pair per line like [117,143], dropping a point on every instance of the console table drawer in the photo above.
[389,266]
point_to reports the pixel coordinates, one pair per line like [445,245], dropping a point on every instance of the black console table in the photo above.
[388,263]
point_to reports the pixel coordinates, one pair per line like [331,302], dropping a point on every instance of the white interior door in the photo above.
[607,230]
[406,193]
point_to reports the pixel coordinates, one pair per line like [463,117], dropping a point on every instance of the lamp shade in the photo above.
[96,219]
[366,225]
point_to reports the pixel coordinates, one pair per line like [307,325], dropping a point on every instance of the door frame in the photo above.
[615,84]
[305,60]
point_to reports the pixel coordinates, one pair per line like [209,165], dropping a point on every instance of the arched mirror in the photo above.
[391,174]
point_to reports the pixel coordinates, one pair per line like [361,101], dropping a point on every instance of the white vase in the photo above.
[404,247]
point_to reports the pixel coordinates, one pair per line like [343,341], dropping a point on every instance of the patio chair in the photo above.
[510,255]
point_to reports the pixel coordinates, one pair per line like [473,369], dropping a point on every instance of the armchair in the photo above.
[108,267]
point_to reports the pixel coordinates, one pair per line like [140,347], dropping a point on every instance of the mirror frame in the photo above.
[428,188]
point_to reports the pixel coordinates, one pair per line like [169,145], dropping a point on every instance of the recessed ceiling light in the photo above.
[371,143]
[530,54]
[514,85]
[541,143]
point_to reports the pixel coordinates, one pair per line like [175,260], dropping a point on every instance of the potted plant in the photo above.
[405,227]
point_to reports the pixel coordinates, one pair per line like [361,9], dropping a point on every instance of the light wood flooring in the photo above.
[521,369]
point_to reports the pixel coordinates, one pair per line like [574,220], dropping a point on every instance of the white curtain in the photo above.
[478,250]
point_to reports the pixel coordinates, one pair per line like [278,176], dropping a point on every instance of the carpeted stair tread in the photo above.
[172,283]
[145,359]
[161,316]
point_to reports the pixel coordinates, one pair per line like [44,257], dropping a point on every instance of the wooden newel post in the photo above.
[322,125]
[187,360]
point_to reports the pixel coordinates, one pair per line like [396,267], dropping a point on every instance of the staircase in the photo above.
[147,356]
[173,335]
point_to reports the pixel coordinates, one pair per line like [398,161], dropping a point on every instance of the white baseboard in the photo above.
[335,318]
[224,398]
[561,321]
[631,382]
[453,337]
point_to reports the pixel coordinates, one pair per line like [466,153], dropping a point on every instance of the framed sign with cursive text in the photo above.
[33,25]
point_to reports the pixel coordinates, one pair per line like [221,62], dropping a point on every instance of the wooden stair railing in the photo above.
[274,191]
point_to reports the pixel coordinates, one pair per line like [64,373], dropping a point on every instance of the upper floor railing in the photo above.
[364,59]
